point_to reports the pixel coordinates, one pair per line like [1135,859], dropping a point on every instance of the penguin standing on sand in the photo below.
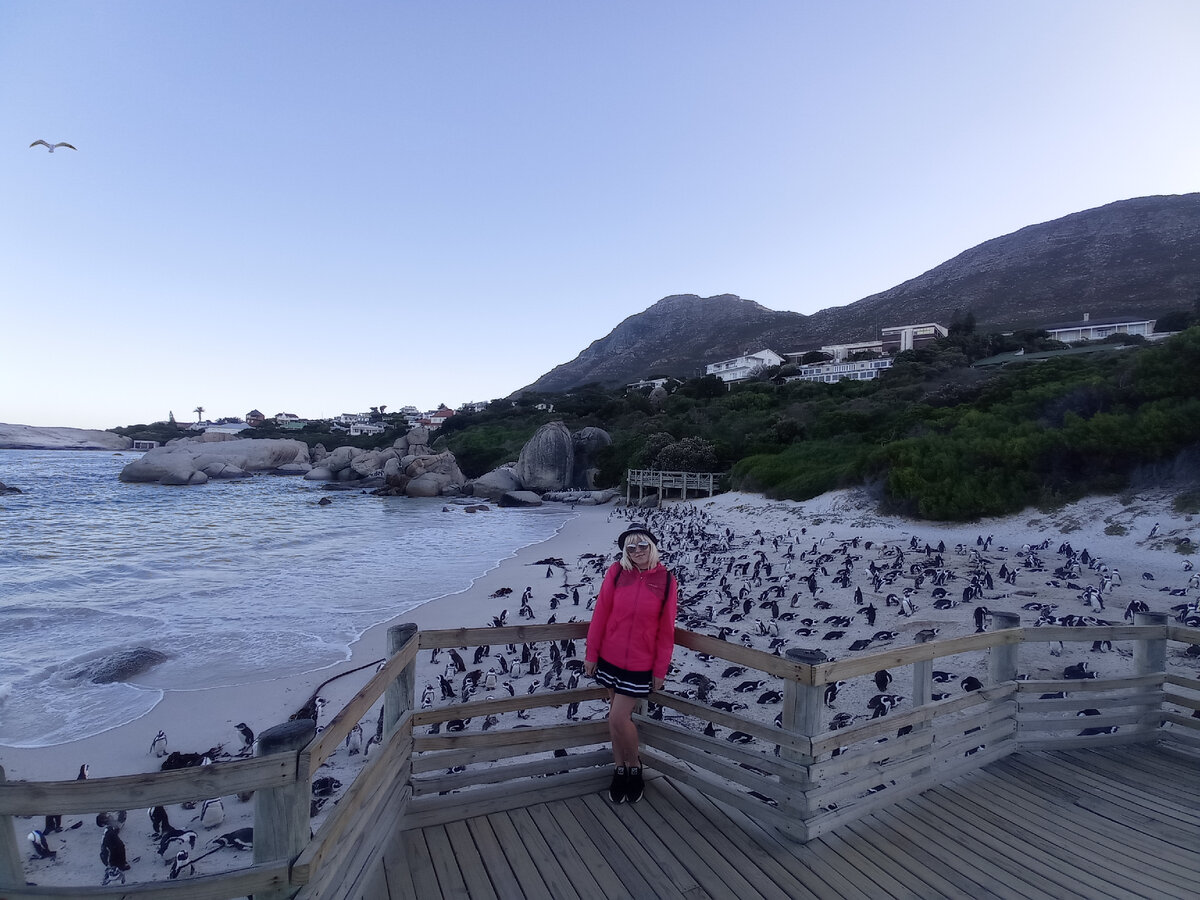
[158,746]
[112,854]
[246,733]
[159,822]
[354,741]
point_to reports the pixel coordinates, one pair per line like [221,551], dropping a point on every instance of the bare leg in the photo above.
[622,730]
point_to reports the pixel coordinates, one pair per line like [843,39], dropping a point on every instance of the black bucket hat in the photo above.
[636,528]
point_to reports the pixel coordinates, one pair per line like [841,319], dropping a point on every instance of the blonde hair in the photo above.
[627,563]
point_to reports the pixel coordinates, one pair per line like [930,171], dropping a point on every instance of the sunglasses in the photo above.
[637,545]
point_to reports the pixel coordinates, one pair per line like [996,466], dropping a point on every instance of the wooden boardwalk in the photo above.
[1116,822]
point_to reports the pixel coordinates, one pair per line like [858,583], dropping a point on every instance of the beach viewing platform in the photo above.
[663,483]
[1083,787]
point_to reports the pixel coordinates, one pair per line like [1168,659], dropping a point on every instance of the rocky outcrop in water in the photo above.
[120,666]
[496,483]
[195,462]
[408,468]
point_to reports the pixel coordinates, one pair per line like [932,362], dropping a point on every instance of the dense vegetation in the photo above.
[935,437]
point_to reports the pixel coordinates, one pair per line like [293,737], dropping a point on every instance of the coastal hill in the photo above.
[1137,257]
[29,437]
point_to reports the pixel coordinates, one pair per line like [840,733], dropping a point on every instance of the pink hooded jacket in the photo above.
[633,625]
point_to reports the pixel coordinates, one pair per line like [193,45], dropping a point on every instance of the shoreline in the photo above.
[197,720]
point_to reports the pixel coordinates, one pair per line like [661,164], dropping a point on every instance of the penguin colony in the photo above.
[787,582]
[794,585]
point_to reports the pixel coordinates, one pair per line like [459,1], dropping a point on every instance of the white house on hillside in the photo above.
[742,367]
[828,372]
[1098,329]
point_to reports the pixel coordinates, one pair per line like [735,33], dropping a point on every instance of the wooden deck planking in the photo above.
[1069,842]
[603,857]
[1085,833]
[726,847]
[1101,829]
[708,867]
[926,875]
[499,872]
[1060,824]
[576,855]
[474,871]
[1051,865]
[659,876]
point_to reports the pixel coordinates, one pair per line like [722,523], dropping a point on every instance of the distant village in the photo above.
[376,421]
[865,360]
[861,360]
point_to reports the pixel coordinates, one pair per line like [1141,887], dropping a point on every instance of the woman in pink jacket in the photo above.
[629,646]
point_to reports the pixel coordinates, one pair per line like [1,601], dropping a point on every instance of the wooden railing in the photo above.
[806,779]
[661,482]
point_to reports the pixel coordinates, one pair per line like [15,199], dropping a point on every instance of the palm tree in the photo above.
[199,411]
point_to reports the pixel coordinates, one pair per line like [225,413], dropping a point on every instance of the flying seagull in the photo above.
[51,147]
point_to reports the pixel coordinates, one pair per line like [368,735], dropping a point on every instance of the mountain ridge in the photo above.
[1137,257]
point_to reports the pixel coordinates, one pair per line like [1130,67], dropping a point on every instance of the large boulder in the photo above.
[185,462]
[415,443]
[547,461]
[520,498]
[588,443]
[427,485]
[340,458]
[434,475]
[367,463]
[496,483]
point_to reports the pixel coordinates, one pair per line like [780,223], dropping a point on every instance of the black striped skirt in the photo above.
[631,684]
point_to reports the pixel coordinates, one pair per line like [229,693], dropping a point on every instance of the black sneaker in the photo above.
[616,790]
[634,787]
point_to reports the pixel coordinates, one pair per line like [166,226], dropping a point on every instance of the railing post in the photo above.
[281,827]
[922,694]
[1002,662]
[801,716]
[1002,659]
[1150,658]
[12,870]
[401,693]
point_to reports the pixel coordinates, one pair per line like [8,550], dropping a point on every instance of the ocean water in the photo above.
[234,581]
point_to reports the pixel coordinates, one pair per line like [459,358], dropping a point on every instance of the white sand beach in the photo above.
[789,541]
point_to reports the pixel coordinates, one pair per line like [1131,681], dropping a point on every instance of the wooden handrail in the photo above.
[802,783]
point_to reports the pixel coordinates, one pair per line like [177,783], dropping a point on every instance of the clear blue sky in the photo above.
[320,207]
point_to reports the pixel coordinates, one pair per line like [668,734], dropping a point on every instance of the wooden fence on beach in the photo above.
[662,482]
[811,780]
